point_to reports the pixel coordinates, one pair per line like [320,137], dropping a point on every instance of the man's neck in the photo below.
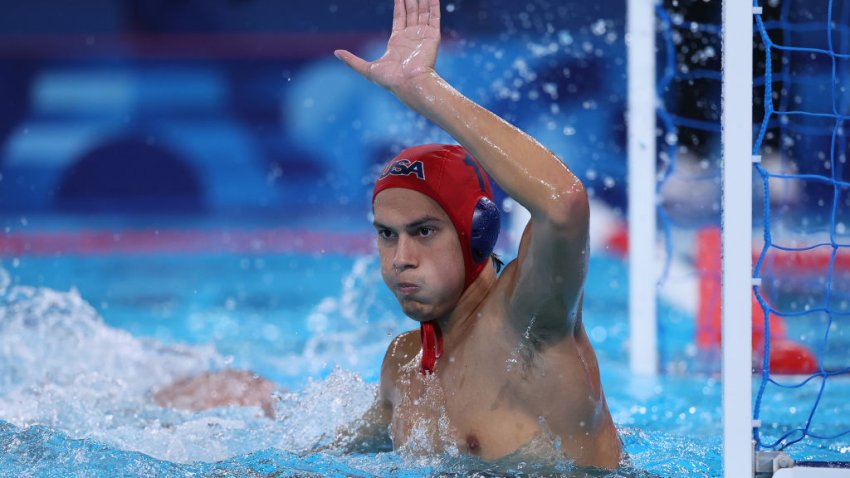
[463,316]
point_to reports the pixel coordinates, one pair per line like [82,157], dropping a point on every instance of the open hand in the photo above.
[411,49]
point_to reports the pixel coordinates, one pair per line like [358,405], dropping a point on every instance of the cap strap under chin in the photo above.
[432,345]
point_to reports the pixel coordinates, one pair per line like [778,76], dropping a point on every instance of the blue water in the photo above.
[84,340]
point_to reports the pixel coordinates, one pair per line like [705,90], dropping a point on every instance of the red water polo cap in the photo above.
[449,175]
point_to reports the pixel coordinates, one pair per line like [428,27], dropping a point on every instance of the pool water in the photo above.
[85,338]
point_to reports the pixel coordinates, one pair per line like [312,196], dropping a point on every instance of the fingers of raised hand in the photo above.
[424,12]
[412,9]
[434,9]
[410,13]
[399,15]
[355,62]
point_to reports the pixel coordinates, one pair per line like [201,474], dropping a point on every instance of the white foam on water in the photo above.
[310,418]
[62,367]
[56,338]
[351,330]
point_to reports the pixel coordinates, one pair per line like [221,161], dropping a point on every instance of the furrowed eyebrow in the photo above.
[422,222]
[378,225]
[412,225]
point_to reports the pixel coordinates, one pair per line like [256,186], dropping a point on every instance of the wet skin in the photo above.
[517,360]
[498,385]
[219,389]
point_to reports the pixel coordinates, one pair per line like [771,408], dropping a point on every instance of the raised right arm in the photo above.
[547,279]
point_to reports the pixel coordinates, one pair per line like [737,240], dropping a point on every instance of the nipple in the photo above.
[472,444]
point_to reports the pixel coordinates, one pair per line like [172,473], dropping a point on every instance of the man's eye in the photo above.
[425,231]
[385,234]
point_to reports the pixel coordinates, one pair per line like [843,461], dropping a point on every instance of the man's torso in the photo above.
[500,389]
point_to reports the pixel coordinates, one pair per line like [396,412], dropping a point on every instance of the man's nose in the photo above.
[405,253]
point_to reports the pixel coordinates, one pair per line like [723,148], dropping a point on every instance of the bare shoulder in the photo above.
[402,350]
[507,278]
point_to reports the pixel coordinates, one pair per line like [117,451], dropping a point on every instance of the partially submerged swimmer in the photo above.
[218,389]
[498,359]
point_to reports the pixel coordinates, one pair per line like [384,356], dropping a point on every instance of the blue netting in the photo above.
[802,201]
[688,185]
[806,131]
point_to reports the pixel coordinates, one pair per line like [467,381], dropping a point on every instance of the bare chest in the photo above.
[461,411]
[492,400]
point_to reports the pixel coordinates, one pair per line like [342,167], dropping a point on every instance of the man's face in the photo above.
[421,258]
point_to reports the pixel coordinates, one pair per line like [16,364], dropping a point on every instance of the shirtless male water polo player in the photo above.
[499,359]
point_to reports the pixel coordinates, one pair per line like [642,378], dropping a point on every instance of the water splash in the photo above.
[310,418]
[62,368]
[351,330]
[57,338]
[75,401]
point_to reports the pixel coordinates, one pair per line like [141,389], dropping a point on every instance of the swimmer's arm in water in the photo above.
[221,388]
[370,433]
[547,281]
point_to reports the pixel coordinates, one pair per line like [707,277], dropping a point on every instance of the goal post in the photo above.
[737,171]
[642,100]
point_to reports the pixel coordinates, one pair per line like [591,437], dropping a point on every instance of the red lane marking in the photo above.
[185,242]
[814,260]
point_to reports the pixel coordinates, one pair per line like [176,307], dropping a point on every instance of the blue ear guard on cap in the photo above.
[485,229]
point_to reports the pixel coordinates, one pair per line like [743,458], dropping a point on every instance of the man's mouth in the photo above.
[406,288]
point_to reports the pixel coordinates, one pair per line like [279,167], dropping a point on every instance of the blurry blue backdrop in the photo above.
[200,171]
[222,108]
